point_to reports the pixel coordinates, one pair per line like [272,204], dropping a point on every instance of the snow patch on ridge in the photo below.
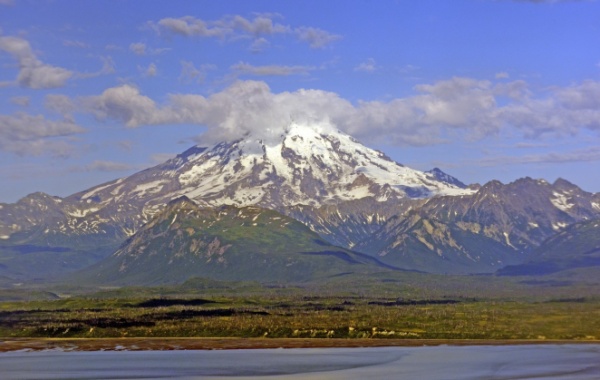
[149,187]
[561,202]
[81,213]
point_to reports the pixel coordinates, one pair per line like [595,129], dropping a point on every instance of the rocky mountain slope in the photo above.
[350,195]
[225,243]
[577,246]
[481,232]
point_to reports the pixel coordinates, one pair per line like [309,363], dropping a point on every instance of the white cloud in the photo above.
[32,72]
[108,166]
[125,145]
[585,95]
[189,26]
[517,90]
[243,68]
[126,104]
[562,112]
[591,154]
[367,66]
[60,104]
[315,37]
[259,25]
[502,75]
[457,108]
[531,145]
[226,27]
[192,74]
[259,45]
[138,48]
[245,106]
[108,67]
[25,135]
[151,70]
[231,28]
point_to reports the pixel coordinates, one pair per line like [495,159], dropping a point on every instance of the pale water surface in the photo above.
[442,362]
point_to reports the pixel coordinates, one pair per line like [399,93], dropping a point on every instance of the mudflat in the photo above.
[158,344]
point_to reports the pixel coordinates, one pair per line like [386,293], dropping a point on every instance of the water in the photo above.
[442,362]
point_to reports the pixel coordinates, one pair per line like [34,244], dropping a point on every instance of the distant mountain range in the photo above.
[341,205]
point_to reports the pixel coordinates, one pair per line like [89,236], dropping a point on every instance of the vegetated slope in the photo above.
[41,247]
[578,246]
[224,243]
[499,225]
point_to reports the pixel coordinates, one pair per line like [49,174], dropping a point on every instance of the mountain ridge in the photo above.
[352,196]
[249,243]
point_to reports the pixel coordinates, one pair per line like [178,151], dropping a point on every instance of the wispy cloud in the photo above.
[368,66]
[159,158]
[192,74]
[224,28]
[140,48]
[108,166]
[28,135]
[232,28]
[315,37]
[149,71]
[591,154]
[108,67]
[243,68]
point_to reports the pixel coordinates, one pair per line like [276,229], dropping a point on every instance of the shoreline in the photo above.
[170,344]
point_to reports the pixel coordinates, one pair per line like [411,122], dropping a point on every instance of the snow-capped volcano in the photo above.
[306,166]
[310,165]
[350,195]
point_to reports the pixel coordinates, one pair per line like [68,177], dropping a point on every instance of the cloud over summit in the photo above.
[465,108]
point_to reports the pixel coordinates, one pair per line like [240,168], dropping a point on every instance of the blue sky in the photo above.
[496,89]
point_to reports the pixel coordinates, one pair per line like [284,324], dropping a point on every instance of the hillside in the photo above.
[225,243]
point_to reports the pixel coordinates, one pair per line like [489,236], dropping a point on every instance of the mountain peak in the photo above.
[308,164]
[439,175]
[311,165]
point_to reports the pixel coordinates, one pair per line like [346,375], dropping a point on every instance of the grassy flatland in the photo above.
[404,306]
[303,317]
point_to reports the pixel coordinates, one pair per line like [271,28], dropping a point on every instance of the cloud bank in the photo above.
[457,108]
